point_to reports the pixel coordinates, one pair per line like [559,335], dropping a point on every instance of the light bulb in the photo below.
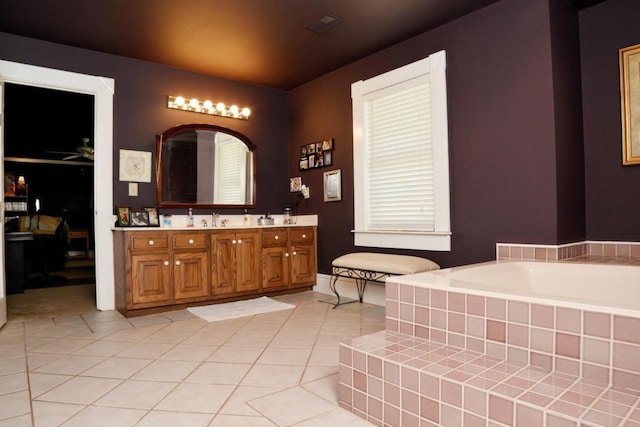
[246,112]
[194,103]
[220,106]
[234,110]
[179,101]
[207,104]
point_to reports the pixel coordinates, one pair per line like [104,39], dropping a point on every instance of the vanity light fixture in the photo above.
[208,107]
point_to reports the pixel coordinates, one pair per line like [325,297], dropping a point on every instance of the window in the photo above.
[401,158]
[231,170]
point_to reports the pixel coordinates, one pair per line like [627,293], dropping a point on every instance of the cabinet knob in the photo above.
[166,263]
[286,254]
[151,242]
[304,236]
[239,241]
[294,253]
[191,241]
[234,241]
[277,237]
[177,262]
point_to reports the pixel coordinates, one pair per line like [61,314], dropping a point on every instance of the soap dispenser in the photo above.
[190,219]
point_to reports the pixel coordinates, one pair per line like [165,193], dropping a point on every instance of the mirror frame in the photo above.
[201,126]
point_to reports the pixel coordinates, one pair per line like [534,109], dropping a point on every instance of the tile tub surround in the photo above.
[579,365]
[589,251]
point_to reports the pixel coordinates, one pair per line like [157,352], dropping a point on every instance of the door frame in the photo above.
[102,88]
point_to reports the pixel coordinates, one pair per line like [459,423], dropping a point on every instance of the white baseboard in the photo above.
[373,294]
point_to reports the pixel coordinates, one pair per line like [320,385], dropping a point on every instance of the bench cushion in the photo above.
[385,263]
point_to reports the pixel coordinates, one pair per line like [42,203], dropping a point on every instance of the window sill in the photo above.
[428,241]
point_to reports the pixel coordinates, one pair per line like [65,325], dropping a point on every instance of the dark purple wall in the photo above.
[141,90]
[505,181]
[612,190]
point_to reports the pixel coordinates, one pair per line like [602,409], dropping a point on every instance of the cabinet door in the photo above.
[303,265]
[150,280]
[248,261]
[275,267]
[223,263]
[190,275]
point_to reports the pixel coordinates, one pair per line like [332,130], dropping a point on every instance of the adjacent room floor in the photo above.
[99,368]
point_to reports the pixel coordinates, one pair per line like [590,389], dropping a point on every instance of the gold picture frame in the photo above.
[630,104]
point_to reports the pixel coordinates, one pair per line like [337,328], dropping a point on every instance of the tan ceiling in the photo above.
[259,41]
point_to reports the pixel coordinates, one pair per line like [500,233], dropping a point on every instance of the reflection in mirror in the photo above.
[204,165]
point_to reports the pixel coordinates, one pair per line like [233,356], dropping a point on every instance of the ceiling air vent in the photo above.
[323,24]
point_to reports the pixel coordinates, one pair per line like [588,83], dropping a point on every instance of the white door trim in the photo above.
[103,89]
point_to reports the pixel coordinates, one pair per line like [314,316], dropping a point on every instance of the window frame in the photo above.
[434,66]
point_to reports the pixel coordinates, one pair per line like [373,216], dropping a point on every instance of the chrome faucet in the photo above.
[214,219]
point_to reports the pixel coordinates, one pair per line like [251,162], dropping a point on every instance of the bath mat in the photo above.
[232,310]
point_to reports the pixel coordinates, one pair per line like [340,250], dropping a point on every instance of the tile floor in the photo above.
[101,369]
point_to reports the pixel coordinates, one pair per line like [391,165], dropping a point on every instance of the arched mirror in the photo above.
[201,165]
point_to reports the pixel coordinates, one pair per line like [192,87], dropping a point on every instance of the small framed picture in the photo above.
[332,186]
[154,218]
[139,218]
[124,216]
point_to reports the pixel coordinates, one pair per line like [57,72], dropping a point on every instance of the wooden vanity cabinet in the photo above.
[149,284]
[288,257]
[304,266]
[158,269]
[235,262]
[275,258]
[190,266]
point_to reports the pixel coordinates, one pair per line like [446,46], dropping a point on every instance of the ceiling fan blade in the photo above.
[75,156]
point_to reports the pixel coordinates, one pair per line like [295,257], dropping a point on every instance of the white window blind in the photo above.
[400,194]
[401,158]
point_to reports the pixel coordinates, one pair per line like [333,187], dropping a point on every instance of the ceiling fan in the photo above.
[83,151]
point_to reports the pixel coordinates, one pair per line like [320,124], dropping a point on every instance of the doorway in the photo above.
[102,89]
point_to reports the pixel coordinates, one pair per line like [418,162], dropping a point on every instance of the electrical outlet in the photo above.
[133,189]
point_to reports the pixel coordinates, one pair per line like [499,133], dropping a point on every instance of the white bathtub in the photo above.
[606,288]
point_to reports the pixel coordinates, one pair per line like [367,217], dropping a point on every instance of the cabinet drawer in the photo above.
[275,237]
[302,235]
[141,242]
[189,241]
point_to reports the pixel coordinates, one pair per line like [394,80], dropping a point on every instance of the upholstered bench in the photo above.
[374,267]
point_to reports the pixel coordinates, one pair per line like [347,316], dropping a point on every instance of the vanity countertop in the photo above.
[234,222]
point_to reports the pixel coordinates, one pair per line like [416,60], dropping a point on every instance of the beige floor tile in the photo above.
[146,350]
[294,341]
[12,383]
[42,383]
[166,370]
[205,398]
[250,340]
[336,417]
[291,406]
[312,373]
[218,373]
[96,416]
[326,387]
[324,357]
[241,421]
[174,369]
[80,390]
[174,419]
[193,352]
[102,348]
[51,414]
[117,367]
[231,354]
[70,365]
[14,404]
[284,356]
[237,402]
[273,375]
[136,394]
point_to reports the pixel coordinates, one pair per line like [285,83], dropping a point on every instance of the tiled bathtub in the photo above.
[457,353]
